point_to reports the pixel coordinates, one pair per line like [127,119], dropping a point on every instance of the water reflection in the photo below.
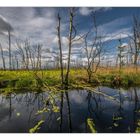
[115,110]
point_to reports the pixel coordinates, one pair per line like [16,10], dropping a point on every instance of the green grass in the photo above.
[22,79]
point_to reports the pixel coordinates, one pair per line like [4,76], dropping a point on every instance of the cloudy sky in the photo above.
[39,25]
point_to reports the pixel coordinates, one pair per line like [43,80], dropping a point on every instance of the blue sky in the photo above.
[39,25]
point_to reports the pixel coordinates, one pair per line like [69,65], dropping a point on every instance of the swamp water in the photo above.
[110,111]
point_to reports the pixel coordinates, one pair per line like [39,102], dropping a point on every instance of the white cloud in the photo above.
[113,25]
[84,11]
[4,25]
[87,10]
[39,25]
[119,34]
[115,29]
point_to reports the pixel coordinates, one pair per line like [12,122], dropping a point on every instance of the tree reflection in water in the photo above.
[68,111]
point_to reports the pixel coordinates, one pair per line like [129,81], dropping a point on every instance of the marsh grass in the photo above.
[22,79]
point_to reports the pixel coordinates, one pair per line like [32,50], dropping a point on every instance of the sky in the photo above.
[39,26]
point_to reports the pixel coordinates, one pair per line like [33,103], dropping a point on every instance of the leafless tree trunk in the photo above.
[131,53]
[70,38]
[120,56]
[26,55]
[12,63]
[136,39]
[2,56]
[9,39]
[39,47]
[17,63]
[60,48]
[22,54]
[31,57]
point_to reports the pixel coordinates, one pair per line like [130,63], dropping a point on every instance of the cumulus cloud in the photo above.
[114,24]
[87,10]
[115,29]
[119,34]
[39,26]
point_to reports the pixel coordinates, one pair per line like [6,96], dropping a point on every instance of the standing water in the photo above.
[111,111]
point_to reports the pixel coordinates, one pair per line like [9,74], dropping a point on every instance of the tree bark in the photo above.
[60,49]
[2,56]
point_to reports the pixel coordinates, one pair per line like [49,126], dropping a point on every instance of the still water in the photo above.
[112,111]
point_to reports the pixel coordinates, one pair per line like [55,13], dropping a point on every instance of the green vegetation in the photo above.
[91,125]
[36,127]
[50,79]
[138,126]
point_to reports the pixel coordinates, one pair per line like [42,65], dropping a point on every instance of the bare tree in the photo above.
[60,48]
[21,53]
[130,51]
[17,62]
[39,51]
[2,56]
[31,57]
[70,38]
[26,48]
[23,50]
[93,50]
[136,39]
[9,42]
[120,55]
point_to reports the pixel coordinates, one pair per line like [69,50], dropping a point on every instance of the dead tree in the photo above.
[93,50]
[71,29]
[136,39]
[72,38]
[26,48]
[60,48]
[39,51]
[2,56]
[16,61]
[21,54]
[131,53]
[120,55]
[9,42]
[31,57]
[24,54]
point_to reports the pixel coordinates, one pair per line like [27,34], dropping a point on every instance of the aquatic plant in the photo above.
[42,111]
[117,118]
[36,127]
[91,125]
[55,109]
[138,126]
